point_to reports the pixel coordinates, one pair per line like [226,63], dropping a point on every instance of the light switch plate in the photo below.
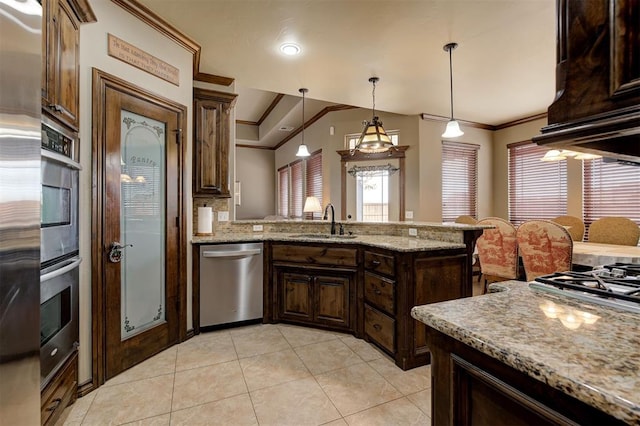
[257,228]
[413,232]
[408,214]
[223,216]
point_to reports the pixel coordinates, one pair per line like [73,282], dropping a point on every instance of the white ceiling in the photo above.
[503,68]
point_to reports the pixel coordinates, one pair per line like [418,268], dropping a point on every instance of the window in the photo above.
[537,189]
[610,189]
[314,181]
[296,181]
[459,180]
[283,191]
[372,195]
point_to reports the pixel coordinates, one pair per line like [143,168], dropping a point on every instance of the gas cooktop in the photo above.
[616,285]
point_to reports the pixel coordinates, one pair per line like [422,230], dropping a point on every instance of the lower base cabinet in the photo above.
[315,297]
[365,291]
[60,392]
[469,387]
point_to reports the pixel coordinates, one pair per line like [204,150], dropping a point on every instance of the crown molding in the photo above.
[150,18]
[312,120]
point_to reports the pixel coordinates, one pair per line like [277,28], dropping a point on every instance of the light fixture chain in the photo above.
[373,95]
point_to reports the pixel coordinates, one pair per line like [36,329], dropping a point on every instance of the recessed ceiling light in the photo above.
[290,49]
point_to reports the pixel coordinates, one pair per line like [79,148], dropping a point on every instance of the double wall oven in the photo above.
[59,249]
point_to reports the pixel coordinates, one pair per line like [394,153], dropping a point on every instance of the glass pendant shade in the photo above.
[452,130]
[373,138]
[303,151]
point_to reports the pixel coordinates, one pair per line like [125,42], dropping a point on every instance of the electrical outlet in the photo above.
[223,216]
[408,214]
[257,228]
[413,232]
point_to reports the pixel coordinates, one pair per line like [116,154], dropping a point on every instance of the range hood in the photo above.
[615,134]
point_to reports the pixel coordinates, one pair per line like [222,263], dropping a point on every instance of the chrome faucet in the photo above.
[333,217]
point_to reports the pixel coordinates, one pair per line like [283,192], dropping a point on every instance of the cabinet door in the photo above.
[295,296]
[211,153]
[332,300]
[61,64]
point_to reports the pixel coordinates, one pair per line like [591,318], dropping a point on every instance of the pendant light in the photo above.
[373,138]
[303,151]
[453,128]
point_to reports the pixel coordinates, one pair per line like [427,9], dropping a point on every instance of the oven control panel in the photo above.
[56,141]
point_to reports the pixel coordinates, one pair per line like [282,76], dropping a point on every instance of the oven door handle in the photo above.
[61,159]
[51,275]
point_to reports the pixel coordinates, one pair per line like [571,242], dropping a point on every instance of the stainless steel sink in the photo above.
[323,236]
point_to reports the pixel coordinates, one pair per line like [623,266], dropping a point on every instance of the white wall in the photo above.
[255,172]
[93,53]
[430,177]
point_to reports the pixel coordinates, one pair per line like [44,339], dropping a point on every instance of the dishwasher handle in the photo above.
[231,253]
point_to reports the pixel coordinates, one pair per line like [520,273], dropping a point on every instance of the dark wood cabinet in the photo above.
[212,126]
[364,290]
[60,392]
[61,62]
[315,285]
[597,103]
[469,387]
[394,282]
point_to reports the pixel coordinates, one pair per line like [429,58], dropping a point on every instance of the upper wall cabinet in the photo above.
[61,54]
[212,117]
[597,104]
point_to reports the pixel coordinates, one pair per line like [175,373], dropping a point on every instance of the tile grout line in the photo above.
[244,379]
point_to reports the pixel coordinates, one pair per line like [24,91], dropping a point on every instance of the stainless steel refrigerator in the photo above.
[20,135]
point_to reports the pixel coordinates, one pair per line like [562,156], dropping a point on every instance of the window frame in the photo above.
[460,176]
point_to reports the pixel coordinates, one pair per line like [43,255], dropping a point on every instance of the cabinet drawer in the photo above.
[379,263]
[380,328]
[380,292]
[314,255]
[60,392]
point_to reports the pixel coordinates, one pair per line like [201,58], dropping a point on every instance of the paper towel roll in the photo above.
[205,220]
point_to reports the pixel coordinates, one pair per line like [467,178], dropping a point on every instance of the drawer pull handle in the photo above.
[378,292]
[378,327]
[55,403]
[375,263]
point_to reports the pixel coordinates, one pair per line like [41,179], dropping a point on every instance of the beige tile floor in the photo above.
[262,375]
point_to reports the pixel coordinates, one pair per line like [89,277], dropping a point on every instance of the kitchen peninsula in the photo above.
[363,282]
[518,357]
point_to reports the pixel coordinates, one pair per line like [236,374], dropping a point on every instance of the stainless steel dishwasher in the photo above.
[230,283]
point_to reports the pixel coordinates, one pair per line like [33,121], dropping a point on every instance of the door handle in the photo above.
[115,251]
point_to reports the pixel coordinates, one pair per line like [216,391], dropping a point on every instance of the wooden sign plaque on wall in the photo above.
[130,54]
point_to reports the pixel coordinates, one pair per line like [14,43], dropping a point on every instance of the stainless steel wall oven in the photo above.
[59,249]
[59,199]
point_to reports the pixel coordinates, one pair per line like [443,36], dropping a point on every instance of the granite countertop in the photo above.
[397,243]
[597,362]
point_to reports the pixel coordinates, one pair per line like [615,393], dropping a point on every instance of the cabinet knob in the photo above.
[378,327]
[378,292]
[375,262]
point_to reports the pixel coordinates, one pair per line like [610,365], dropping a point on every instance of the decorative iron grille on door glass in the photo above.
[537,189]
[459,180]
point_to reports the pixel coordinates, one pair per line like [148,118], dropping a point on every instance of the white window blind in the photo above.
[459,180]
[297,189]
[314,181]
[610,189]
[537,189]
[283,191]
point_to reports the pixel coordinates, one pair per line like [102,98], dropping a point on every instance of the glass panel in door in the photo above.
[142,223]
